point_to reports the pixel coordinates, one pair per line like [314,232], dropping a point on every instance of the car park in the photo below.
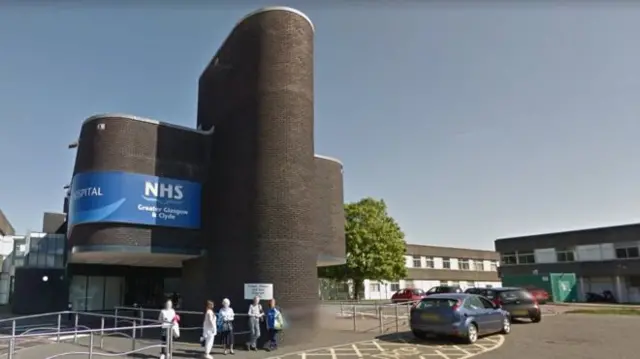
[408,295]
[464,316]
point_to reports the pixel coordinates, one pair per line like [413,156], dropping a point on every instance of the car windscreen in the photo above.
[437,303]
[512,295]
[417,292]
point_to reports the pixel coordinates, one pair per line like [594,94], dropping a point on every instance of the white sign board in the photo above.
[262,290]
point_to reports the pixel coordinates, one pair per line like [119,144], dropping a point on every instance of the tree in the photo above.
[375,245]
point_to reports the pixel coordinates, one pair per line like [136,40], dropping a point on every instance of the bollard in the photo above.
[91,345]
[355,326]
[133,336]
[115,319]
[102,333]
[59,327]
[397,320]
[380,320]
[12,342]
[341,309]
[75,329]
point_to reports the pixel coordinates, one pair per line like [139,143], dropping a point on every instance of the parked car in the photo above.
[485,292]
[459,315]
[444,289]
[518,302]
[407,295]
[541,295]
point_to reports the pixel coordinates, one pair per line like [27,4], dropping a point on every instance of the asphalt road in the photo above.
[573,336]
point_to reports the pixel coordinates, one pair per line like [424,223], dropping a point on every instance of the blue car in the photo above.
[465,316]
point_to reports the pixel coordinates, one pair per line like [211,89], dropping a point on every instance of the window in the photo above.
[509,258]
[437,303]
[394,287]
[446,263]
[464,264]
[429,262]
[627,251]
[78,293]
[487,304]
[494,266]
[474,303]
[114,292]
[374,287]
[565,255]
[417,262]
[526,258]
[480,266]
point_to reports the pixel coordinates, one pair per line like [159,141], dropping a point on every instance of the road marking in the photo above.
[303,355]
[355,349]
[462,350]
[333,353]
[378,345]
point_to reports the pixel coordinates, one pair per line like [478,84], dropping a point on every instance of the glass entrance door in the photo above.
[145,291]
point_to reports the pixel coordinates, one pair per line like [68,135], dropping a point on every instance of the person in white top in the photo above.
[167,317]
[227,315]
[209,329]
[255,316]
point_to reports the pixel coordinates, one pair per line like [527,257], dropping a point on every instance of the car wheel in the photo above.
[537,318]
[418,334]
[472,334]
[506,325]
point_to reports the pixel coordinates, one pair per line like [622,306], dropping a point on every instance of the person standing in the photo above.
[227,315]
[167,317]
[275,323]
[255,316]
[209,329]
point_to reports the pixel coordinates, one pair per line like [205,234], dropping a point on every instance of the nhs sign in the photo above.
[122,197]
[163,190]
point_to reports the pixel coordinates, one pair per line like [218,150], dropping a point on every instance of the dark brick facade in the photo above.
[130,144]
[258,200]
[329,211]
[268,203]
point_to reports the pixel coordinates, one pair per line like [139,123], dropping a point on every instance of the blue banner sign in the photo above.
[134,198]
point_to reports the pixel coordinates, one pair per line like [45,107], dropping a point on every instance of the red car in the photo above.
[408,295]
[541,295]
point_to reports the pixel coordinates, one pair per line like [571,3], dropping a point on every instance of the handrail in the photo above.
[179,311]
[86,331]
[106,354]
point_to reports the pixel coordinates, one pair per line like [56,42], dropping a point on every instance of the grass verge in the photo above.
[606,311]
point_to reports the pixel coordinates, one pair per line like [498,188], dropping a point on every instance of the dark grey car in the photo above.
[517,301]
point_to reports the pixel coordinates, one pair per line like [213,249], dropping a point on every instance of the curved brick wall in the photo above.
[130,144]
[329,211]
[258,215]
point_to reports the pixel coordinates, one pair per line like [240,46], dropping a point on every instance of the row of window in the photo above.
[463,264]
[565,255]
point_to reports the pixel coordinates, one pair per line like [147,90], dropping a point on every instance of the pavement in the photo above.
[573,336]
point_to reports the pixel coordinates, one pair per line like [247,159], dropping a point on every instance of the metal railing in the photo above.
[58,327]
[192,319]
[372,317]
